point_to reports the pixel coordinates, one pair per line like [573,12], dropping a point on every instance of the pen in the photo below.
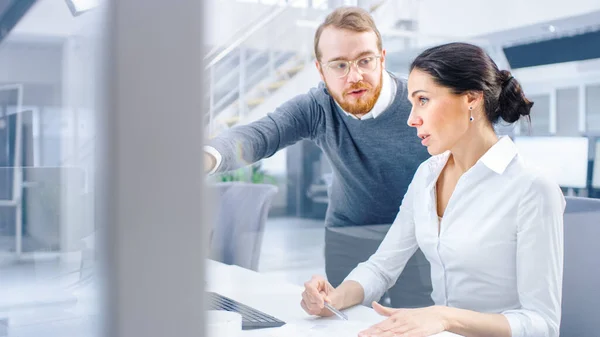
[336,312]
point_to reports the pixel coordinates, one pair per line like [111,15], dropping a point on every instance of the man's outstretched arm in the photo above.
[243,145]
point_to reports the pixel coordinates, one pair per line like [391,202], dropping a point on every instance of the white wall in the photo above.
[81,57]
[30,63]
[227,17]
[51,19]
[442,18]
[469,18]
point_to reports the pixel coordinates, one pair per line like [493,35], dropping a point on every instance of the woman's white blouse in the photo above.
[499,248]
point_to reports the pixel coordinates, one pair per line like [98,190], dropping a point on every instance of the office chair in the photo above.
[580,301]
[239,215]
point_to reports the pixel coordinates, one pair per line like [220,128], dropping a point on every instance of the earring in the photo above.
[471,110]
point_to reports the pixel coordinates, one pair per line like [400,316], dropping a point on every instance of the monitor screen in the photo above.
[565,159]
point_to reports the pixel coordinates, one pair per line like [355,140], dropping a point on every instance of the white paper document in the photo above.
[324,328]
[327,328]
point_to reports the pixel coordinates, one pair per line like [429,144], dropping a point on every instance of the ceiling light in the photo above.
[78,7]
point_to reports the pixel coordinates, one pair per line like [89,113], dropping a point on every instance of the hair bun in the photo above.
[512,103]
[506,78]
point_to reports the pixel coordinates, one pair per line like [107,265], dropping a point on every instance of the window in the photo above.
[540,117]
[567,112]
[592,108]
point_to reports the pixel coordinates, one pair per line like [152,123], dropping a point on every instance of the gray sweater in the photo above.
[373,160]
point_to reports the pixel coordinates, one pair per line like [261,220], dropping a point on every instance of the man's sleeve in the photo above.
[243,145]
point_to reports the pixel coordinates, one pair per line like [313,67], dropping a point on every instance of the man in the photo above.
[358,117]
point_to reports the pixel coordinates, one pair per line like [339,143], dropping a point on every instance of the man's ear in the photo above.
[320,70]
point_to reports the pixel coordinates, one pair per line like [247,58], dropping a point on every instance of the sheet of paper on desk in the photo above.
[324,328]
[327,328]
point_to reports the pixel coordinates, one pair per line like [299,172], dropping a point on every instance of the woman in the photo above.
[490,226]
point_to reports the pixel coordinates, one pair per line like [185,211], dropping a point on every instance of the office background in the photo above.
[257,54]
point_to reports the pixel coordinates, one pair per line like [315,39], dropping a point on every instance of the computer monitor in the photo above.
[596,171]
[565,159]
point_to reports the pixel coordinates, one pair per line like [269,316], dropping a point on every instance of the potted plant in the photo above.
[254,174]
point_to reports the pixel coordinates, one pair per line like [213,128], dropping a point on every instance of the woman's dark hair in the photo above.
[463,67]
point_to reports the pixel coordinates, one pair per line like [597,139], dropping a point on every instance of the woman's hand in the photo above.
[317,291]
[422,322]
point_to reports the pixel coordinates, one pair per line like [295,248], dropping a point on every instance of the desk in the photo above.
[281,300]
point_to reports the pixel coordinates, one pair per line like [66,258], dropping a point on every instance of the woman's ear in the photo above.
[475,98]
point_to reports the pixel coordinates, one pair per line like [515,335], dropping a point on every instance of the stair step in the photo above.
[276,85]
[294,70]
[376,6]
[255,101]
[230,121]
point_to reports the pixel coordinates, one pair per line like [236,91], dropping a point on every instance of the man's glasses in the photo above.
[341,68]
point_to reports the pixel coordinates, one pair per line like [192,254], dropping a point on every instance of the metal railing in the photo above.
[235,70]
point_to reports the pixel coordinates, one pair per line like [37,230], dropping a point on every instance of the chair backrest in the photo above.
[581,279]
[239,218]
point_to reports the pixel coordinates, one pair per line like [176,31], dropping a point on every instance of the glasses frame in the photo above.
[350,63]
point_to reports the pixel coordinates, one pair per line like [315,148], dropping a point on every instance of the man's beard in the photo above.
[362,105]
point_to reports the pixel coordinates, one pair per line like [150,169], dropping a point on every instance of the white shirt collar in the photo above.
[386,97]
[496,158]
[500,155]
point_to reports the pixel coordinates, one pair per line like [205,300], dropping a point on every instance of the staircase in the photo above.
[255,63]
[246,74]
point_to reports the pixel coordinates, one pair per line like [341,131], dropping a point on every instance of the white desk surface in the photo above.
[281,300]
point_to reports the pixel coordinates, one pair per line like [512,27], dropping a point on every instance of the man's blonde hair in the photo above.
[351,18]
